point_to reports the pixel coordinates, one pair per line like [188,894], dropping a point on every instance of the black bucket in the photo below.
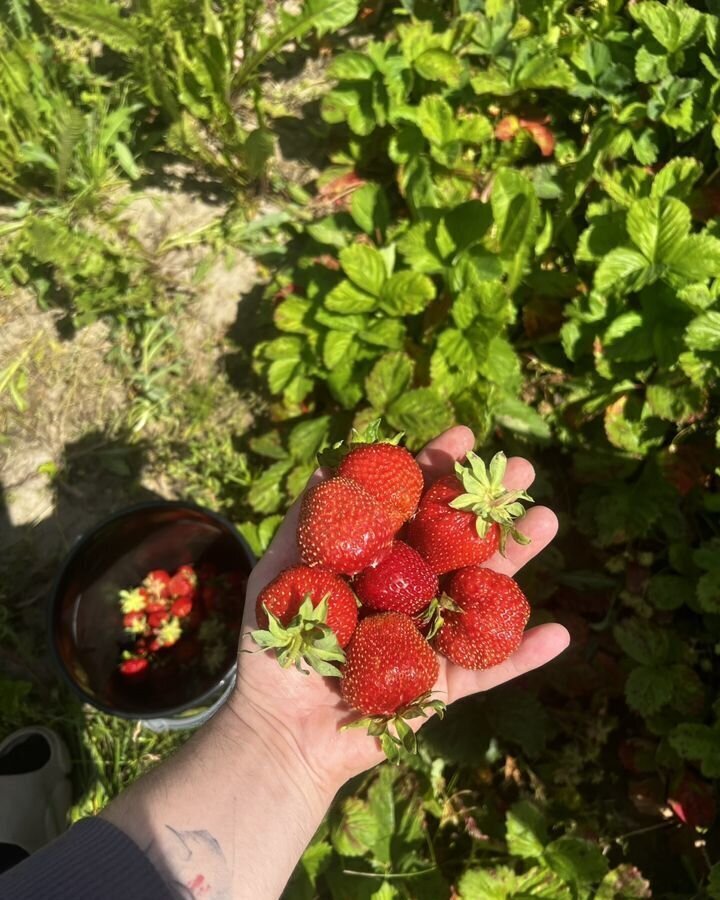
[86,622]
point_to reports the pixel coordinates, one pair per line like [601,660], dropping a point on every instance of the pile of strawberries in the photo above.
[185,611]
[391,575]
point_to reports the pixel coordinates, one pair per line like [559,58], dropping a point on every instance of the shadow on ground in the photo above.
[97,476]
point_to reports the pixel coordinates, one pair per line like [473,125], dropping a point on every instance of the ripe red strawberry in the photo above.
[285,594]
[389,473]
[181,607]
[401,582]
[156,619]
[156,582]
[133,667]
[464,518]
[389,665]
[490,625]
[134,622]
[188,573]
[342,527]
[314,614]
[180,585]
[156,606]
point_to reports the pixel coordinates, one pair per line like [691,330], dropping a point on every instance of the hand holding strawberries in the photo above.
[432,627]
[347,526]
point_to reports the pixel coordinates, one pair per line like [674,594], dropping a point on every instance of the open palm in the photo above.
[308,710]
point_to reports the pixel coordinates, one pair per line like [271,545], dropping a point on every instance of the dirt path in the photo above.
[67,457]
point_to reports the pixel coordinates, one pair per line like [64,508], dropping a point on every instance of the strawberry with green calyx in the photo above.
[135,622]
[464,518]
[285,594]
[156,582]
[331,457]
[393,732]
[306,614]
[400,582]
[342,527]
[489,625]
[169,632]
[132,667]
[133,601]
[389,672]
[432,618]
[305,638]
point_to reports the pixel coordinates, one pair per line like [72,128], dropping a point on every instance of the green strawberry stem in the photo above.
[433,614]
[393,731]
[306,638]
[487,497]
[331,457]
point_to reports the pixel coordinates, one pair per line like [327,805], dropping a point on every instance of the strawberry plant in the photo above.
[517,228]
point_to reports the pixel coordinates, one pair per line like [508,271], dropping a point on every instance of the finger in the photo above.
[540,524]
[438,457]
[538,647]
[519,474]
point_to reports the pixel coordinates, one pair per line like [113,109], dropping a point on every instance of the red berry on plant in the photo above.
[400,582]
[388,473]
[342,527]
[489,625]
[464,518]
[693,800]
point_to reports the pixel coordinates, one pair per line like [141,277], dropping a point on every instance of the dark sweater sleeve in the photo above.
[94,860]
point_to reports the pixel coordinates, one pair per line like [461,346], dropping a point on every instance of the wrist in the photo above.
[251,731]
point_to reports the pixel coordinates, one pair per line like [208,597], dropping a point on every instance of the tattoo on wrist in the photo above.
[192,863]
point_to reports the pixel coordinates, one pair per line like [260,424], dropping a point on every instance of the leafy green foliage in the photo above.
[378,836]
[556,282]
[183,58]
